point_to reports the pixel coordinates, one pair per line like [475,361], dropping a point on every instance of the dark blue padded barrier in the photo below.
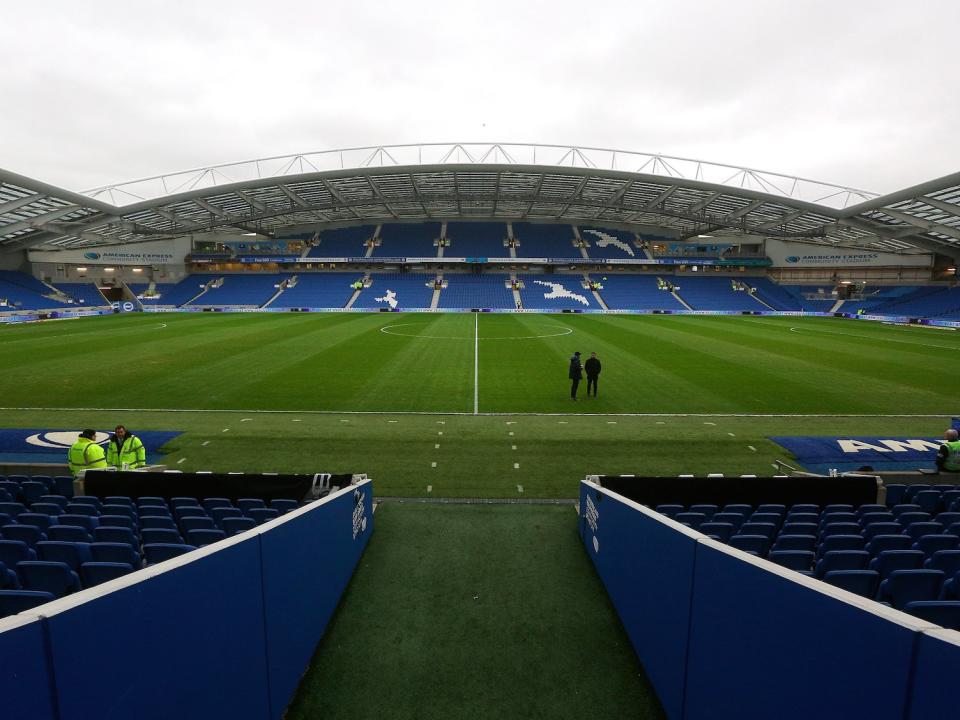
[186,642]
[759,636]
[308,591]
[935,676]
[651,591]
[24,673]
[204,635]
[762,641]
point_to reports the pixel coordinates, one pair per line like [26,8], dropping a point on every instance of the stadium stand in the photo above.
[479,239]
[19,291]
[184,291]
[247,290]
[343,242]
[83,293]
[396,290]
[714,293]
[408,240]
[317,290]
[811,298]
[476,291]
[636,292]
[545,241]
[555,292]
[936,301]
[605,243]
[776,296]
[159,296]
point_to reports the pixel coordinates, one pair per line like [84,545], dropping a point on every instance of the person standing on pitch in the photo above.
[575,374]
[592,368]
[125,450]
[85,454]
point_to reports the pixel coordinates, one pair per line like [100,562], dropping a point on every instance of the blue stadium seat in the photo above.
[59,500]
[868,519]
[947,561]
[947,518]
[768,518]
[87,522]
[904,508]
[882,528]
[840,542]
[951,588]
[13,509]
[151,500]
[768,530]
[233,525]
[950,497]
[839,528]
[160,536]
[805,508]
[164,551]
[691,519]
[246,504]
[838,507]
[217,502]
[757,544]
[913,490]
[183,502]
[115,535]
[705,508]
[120,500]
[881,543]
[196,523]
[799,560]
[154,511]
[200,538]
[895,494]
[63,485]
[928,500]
[262,515]
[802,517]
[156,522]
[841,560]
[95,573]
[219,513]
[31,492]
[115,553]
[795,542]
[25,533]
[929,544]
[799,528]
[87,500]
[37,520]
[189,511]
[735,519]
[118,509]
[838,517]
[741,508]
[859,582]
[870,508]
[720,530]
[46,508]
[945,613]
[123,521]
[780,510]
[71,554]
[8,578]
[918,529]
[5,496]
[18,601]
[906,586]
[55,578]
[74,508]
[68,533]
[910,518]
[10,488]
[285,506]
[891,560]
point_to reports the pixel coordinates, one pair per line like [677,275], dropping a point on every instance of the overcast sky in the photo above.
[851,92]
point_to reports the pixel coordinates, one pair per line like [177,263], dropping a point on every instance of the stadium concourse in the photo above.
[396,323]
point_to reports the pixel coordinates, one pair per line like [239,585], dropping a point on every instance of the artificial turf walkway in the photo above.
[475,611]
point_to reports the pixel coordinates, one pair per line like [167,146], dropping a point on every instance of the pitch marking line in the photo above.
[513,447]
[476,363]
[429,488]
[225,430]
[520,489]
[246,419]
[751,447]
[731,434]
[939,415]
[436,446]
[433,464]
[206,442]
[387,328]
[181,460]
[516,466]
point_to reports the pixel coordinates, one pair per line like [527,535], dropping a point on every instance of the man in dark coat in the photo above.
[575,374]
[592,368]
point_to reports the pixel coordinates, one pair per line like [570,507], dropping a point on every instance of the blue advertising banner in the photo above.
[45,445]
[848,453]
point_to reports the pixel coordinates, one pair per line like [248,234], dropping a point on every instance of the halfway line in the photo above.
[476,363]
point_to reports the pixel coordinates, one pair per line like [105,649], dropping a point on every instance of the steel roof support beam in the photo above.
[379,196]
[336,196]
[297,200]
[745,210]
[37,222]
[945,207]
[18,203]
[698,206]
[928,225]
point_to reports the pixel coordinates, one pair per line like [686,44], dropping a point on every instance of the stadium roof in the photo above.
[547,183]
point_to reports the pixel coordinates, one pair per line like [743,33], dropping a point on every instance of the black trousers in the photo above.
[574,386]
[592,381]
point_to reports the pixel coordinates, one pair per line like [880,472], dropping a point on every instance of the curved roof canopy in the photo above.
[546,183]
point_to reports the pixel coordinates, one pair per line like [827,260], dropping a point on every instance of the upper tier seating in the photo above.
[343,242]
[714,293]
[241,290]
[929,301]
[396,290]
[476,291]
[479,239]
[812,298]
[408,240]
[318,290]
[555,292]
[545,241]
[604,243]
[636,292]
[84,293]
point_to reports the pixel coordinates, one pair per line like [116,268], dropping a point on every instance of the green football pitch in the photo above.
[465,404]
